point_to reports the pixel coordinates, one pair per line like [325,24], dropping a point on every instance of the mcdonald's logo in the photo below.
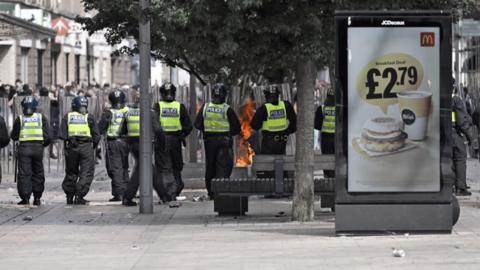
[427,39]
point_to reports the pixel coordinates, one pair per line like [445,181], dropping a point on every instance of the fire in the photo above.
[245,152]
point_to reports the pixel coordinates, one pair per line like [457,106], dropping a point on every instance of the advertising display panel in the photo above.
[393,108]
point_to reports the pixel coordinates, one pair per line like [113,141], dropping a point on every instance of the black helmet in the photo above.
[117,99]
[80,104]
[29,105]
[167,92]
[219,93]
[272,93]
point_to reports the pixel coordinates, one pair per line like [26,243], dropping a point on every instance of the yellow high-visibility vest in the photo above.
[215,118]
[276,117]
[118,116]
[78,125]
[31,128]
[328,125]
[170,116]
[133,122]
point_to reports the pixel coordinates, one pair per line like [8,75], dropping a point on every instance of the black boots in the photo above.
[116,199]
[127,202]
[69,199]
[462,192]
[24,202]
[36,201]
[80,201]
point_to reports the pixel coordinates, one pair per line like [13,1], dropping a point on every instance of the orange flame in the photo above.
[246,152]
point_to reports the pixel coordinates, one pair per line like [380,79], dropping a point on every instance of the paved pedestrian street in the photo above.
[106,236]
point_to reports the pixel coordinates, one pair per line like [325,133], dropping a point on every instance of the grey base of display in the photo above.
[371,218]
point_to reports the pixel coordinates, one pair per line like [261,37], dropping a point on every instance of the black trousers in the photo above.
[274,145]
[459,165]
[31,176]
[328,147]
[134,183]
[218,159]
[116,160]
[169,164]
[79,169]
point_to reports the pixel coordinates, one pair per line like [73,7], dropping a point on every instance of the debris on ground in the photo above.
[197,199]
[181,198]
[281,214]
[174,204]
[70,221]
[135,247]
[399,253]
[28,218]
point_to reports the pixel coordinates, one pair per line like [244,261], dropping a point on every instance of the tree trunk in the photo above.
[192,139]
[303,197]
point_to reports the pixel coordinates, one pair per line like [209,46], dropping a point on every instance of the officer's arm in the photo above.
[235,126]
[318,118]
[199,120]
[158,132]
[124,127]
[46,131]
[93,130]
[15,130]
[292,117]
[259,117]
[156,108]
[63,131]
[463,120]
[104,122]
[185,120]
[4,138]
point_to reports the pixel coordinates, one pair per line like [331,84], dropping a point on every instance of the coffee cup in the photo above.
[415,111]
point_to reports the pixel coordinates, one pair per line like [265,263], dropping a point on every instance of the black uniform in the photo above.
[116,156]
[134,147]
[169,159]
[462,126]
[218,148]
[274,142]
[327,141]
[79,157]
[4,139]
[31,175]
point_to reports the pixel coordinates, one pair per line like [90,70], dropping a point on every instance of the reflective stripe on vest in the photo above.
[276,117]
[170,116]
[116,123]
[31,128]
[133,122]
[78,125]
[215,118]
[328,125]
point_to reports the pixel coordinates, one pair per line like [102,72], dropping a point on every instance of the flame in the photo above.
[246,152]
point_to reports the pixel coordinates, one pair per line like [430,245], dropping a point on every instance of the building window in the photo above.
[67,67]
[77,68]
[24,65]
[40,66]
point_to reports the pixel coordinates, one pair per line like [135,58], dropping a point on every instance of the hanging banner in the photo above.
[393,108]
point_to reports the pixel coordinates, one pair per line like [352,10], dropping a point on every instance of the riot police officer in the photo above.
[131,129]
[4,138]
[277,120]
[461,125]
[325,123]
[219,123]
[32,131]
[80,133]
[176,125]
[116,156]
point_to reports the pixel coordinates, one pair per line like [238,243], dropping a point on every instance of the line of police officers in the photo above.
[218,122]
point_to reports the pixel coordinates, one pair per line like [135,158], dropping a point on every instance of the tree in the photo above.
[224,40]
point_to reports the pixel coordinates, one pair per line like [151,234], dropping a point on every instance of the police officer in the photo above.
[131,129]
[4,138]
[219,123]
[80,133]
[277,120]
[176,125]
[325,123]
[32,131]
[461,125]
[116,156]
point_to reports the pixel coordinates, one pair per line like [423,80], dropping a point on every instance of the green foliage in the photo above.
[225,39]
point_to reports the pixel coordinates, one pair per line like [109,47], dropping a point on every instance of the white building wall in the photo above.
[8,63]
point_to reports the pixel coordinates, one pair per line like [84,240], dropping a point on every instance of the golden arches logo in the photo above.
[427,39]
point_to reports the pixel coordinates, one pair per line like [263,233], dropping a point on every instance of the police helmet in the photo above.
[272,93]
[167,92]
[80,104]
[219,93]
[29,105]
[117,99]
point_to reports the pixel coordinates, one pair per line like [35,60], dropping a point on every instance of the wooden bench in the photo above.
[231,194]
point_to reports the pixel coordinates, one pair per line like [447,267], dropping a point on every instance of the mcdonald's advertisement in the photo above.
[393,109]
